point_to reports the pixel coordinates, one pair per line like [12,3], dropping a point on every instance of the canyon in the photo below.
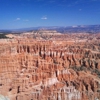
[44,65]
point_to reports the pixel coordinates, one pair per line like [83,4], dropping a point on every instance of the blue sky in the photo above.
[32,13]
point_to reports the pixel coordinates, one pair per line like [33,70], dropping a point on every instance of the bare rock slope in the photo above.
[65,67]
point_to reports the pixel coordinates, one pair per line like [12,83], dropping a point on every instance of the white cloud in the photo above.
[17,18]
[44,18]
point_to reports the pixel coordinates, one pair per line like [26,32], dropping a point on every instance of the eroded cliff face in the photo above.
[50,70]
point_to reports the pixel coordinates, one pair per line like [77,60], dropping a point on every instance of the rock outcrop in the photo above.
[50,70]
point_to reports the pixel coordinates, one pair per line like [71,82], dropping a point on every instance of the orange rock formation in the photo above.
[50,69]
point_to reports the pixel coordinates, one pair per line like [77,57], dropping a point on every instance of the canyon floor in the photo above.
[46,65]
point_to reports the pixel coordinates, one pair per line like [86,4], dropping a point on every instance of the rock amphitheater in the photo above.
[61,67]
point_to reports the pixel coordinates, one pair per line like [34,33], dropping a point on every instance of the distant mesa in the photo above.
[60,29]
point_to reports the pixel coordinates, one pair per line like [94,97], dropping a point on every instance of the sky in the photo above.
[15,14]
